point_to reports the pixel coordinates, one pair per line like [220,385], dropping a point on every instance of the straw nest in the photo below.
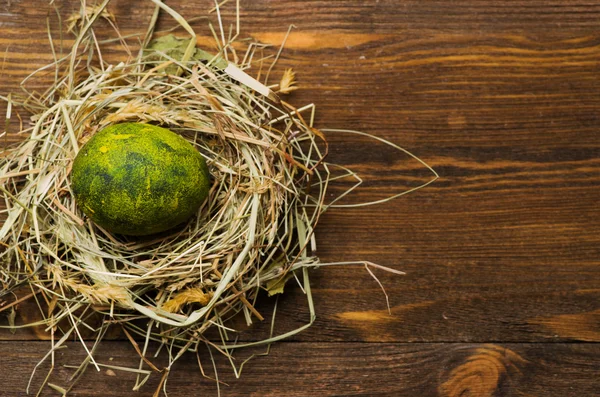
[253,233]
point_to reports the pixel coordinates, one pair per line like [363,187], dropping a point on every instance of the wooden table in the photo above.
[502,253]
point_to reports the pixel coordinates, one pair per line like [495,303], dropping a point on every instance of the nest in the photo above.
[255,231]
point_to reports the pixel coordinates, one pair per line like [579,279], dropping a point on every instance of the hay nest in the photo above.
[254,232]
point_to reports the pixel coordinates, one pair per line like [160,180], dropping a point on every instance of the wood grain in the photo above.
[338,369]
[502,253]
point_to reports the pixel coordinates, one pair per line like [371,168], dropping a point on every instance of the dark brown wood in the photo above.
[335,369]
[502,98]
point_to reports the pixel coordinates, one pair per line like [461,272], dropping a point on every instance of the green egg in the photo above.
[139,179]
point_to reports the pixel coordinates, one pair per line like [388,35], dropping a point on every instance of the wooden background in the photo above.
[502,254]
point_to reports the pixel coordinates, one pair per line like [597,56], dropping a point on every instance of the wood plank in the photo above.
[438,312]
[334,369]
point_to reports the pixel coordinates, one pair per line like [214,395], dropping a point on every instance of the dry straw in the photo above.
[255,232]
